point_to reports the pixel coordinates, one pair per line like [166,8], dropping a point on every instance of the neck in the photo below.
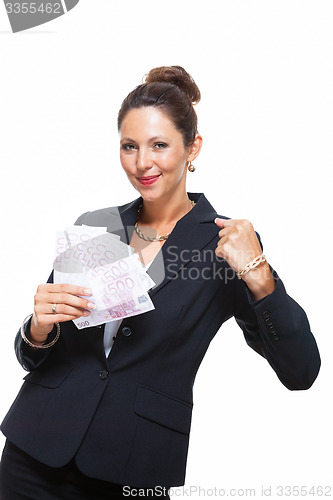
[165,211]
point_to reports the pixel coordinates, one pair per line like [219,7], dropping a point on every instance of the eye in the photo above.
[128,147]
[160,145]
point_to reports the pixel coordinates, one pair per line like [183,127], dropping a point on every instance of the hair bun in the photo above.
[177,76]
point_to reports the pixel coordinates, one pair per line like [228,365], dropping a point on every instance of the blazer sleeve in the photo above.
[277,328]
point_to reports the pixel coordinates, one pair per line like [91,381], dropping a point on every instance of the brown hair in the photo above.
[174,91]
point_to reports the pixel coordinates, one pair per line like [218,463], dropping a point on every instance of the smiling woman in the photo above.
[109,411]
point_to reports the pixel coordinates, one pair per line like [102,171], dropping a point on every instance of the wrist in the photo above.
[35,336]
[260,281]
[40,341]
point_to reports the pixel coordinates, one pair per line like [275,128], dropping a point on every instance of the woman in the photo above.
[87,421]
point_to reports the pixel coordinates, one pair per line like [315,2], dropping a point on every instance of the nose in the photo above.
[144,159]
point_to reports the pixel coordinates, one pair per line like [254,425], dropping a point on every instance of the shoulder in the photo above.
[103,216]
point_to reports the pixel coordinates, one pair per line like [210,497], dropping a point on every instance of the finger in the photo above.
[45,320]
[224,233]
[61,318]
[226,222]
[219,252]
[63,298]
[64,288]
[73,289]
[60,308]
[224,248]
[232,222]
[219,222]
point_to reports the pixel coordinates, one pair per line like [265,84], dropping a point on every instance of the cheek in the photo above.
[172,162]
[126,163]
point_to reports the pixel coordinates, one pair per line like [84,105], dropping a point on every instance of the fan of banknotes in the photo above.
[96,259]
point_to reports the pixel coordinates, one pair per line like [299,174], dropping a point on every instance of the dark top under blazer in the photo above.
[127,417]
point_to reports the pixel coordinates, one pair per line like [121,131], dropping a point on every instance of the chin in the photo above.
[149,196]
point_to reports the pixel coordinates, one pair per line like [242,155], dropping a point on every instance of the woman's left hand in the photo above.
[239,245]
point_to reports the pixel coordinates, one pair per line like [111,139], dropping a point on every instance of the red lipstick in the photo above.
[149,179]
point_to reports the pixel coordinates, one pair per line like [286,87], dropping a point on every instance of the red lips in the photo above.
[149,179]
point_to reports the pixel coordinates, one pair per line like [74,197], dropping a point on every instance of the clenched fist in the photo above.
[239,245]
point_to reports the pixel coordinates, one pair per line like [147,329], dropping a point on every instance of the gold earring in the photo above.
[191,167]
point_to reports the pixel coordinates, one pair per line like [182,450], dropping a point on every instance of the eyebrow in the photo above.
[160,137]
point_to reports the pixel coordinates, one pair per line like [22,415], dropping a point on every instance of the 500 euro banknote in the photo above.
[98,260]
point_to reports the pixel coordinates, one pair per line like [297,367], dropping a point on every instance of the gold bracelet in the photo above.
[34,346]
[251,265]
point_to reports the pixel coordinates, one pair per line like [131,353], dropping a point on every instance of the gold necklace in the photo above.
[152,238]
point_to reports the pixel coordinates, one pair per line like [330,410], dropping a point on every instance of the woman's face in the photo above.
[153,154]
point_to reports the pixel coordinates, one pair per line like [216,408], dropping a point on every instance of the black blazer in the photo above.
[127,417]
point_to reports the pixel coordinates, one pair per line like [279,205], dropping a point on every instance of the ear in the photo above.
[195,148]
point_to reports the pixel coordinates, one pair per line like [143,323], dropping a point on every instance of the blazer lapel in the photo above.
[191,233]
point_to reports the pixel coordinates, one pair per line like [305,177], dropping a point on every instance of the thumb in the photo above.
[219,222]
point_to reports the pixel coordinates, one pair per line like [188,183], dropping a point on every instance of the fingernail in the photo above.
[87,291]
[90,305]
[86,313]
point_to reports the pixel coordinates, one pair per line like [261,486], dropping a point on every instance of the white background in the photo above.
[265,71]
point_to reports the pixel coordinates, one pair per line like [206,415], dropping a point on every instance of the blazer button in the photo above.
[103,374]
[272,330]
[265,314]
[126,331]
[268,322]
